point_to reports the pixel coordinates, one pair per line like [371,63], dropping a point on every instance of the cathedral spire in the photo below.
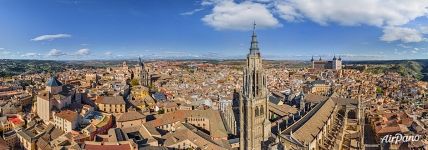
[143,73]
[254,28]
[254,109]
[254,49]
[141,63]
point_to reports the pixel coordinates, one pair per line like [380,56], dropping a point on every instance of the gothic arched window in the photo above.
[261,110]
[257,111]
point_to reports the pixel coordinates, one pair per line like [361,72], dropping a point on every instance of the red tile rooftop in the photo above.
[9,93]
[3,87]
[67,115]
[15,120]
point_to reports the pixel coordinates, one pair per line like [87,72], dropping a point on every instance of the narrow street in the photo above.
[369,137]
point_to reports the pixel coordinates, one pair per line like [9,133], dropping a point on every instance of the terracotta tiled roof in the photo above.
[3,145]
[110,100]
[309,126]
[169,118]
[387,129]
[313,98]
[131,115]
[217,128]
[282,110]
[68,115]
[152,130]
[188,132]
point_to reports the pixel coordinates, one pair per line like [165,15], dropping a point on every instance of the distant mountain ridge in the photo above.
[410,68]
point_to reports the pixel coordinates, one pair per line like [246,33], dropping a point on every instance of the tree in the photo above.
[379,90]
[135,82]
[152,87]
[161,111]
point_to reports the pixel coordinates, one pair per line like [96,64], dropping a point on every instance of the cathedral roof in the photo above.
[281,110]
[308,127]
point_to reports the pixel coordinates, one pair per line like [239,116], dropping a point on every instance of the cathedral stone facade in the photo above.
[142,74]
[254,124]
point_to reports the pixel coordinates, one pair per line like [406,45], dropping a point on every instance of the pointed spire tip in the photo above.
[254,27]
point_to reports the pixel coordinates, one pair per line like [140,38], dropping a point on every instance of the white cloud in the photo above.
[191,12]
[30,54]
[288,13]
[240,16]
[263,1]
[396,52]
[108,53]
[50,37]
[210,2]
[56,53]
[360,12]
[83,52]
[406,35]
[404,46]
[390,15]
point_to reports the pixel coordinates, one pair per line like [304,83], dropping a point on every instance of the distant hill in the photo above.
[9,67]
[424,70]
[409,68]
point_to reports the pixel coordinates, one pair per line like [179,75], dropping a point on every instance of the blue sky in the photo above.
[286,29]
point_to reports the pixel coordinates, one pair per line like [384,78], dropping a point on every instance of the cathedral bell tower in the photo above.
[254,122]
[144,74]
